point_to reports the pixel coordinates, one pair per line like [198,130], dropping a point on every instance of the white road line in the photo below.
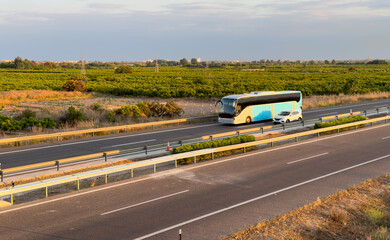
[104,139]
[151,140]
[169,172]
[258,198]
[327,114]
[303,159]
[386,137]
[142,203]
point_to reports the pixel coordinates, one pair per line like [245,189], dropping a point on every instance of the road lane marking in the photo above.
[103,139]
[142,203]
[151,140]
[303,159]
[258,198]
[381,106]
[327,113]
[386,137]
[169,172]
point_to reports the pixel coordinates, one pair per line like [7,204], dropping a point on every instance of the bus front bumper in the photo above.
[226,120]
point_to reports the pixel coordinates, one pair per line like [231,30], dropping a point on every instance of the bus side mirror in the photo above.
[216,102]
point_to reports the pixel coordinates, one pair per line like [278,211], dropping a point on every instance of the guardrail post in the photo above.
[146,150]
[296,139]
[12,199]
[238,133]
[175,163]
[320,119]
[105,157]
[262,130]
[211,138]
[78,184]
[318,134]
[47,192]
[212,156]
[365,113]
[58,165]
[272,144]
[194,159]
[13,184]
[338,130]
[284,127]
[132,173]
[244,150]
[303,123]
[2,175]
[106,178]
[377,110]
[181,142]
[154,168]
[337,117]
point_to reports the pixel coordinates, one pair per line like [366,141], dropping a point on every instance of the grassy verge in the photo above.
[361,212]
[212,144]
[339,121]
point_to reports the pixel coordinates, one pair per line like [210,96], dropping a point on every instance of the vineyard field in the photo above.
[173,82]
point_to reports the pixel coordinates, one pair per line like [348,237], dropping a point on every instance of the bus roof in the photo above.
[254,94]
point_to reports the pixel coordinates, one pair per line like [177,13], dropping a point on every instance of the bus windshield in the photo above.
[228,106]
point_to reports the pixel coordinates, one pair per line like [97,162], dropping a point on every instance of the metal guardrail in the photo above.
[60,135]
[339,116]
[238,132]
[11,191]
[56,163]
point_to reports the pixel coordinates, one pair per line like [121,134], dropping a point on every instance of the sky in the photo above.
[128,30]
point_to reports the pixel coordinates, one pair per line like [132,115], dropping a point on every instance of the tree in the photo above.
[183,61]
[194,61]
[123,69]
[74,84]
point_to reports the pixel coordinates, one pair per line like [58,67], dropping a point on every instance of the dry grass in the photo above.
[333,100]
[361,212]
[12,97]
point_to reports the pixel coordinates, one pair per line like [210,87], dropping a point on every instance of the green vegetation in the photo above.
[25,120]
[123,69]
[339,121]
[219,80]
[148,109]
[214,143]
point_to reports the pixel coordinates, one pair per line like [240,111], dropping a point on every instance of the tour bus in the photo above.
[257,106]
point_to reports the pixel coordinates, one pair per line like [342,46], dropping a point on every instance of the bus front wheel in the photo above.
[248,120]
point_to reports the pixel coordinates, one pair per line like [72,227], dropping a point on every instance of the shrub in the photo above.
[144,108]
[215,143]
[73,116]
[123,69]
[11,125]
[48,123]
[97,107]
[129,110]
[339,121]
[74,85]
[172,109]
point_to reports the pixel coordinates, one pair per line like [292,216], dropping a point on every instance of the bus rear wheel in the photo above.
[248,120]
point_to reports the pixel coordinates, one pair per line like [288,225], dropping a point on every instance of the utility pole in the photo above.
[83,73]
[156,70]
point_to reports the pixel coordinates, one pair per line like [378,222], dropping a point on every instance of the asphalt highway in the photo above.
[24,155]
[210,199]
